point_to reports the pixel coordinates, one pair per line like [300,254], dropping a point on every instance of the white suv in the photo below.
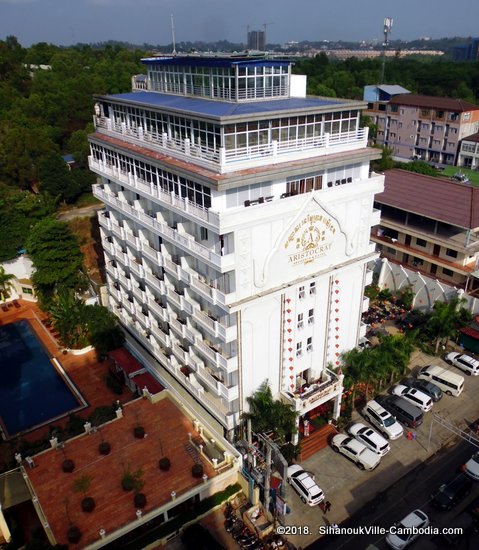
[370,438]
[382,419]
[472,466]
[464,362]
[356,451]
[304,484]
[414,396]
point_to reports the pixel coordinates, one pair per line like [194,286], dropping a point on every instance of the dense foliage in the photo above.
[57,259]
[347,78]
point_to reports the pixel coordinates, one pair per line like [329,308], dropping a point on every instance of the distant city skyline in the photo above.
[65,22]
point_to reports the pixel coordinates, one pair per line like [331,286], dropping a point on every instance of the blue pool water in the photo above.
[31,390]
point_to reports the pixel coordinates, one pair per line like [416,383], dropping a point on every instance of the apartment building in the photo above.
[418,127]
[469,152]
[236,229]
[430,225]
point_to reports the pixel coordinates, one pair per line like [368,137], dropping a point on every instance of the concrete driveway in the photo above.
[348,488]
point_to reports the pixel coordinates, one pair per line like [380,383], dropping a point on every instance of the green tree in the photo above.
[104,331]
[446,320]
[56,179]
[57,259]
[69,319]
[267,414]
[5,283]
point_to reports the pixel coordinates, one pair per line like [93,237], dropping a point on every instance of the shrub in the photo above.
[104,448]
[139,500]
[132,481]
[139,432]
[101,415]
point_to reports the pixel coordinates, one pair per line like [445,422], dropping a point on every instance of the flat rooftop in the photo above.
[167,430]
[213,108]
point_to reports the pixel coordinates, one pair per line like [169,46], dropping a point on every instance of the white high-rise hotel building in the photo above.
[236,229]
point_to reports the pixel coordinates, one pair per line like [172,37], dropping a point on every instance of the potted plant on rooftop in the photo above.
[132,480]
[197,470]
[164,464]
[81,485]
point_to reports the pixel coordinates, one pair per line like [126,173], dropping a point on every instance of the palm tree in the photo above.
[5,283]
[68,318]
[268,414]
[446,320]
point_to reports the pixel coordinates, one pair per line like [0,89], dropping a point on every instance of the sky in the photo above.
[65,22]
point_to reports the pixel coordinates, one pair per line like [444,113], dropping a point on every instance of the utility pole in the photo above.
[173,34]
[388,24]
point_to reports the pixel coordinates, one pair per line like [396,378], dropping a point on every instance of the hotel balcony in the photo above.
[160,312]
[214,327]
[228,160]
[164,339]
[182,206]
[365,305]
[157,284]
[310,395]
[183,241]
[216,358]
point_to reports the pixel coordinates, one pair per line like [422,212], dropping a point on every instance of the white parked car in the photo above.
[472,467]
[464,362]
[414,396]
[356,451]
[370,438]
[383,420]
[407,530]
[304,484]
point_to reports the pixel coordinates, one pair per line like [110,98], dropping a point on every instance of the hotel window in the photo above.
[299,349]
[301,293]
[300,321]
[425,112]
[305,185]
[447,272]
[421,242]
[312,288]
[450,252]
[309,344]
[310,316]
[203,234]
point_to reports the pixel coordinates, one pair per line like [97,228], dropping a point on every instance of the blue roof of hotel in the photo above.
[199,61]
[209,107]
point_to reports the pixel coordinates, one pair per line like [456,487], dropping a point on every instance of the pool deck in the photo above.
[85,371]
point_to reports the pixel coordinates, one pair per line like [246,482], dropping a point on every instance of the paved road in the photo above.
[411,492]
[349,489]
[84,212]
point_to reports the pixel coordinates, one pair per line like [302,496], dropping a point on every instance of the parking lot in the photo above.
[348,488]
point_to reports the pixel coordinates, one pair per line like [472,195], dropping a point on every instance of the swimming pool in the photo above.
[32,392]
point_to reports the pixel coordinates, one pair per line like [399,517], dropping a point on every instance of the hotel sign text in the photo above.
[311,239]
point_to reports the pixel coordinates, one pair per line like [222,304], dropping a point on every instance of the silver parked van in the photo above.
[450,382]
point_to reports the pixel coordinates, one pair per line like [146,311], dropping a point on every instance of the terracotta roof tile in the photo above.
[437,198]
[433,102]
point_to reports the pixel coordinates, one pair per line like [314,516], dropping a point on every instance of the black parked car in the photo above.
[429,388]
[452,492]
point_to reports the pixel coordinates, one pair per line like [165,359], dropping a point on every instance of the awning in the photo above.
[128,364]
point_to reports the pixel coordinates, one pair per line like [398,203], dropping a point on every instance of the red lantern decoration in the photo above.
[288,311]
[290,340]
[337,337]
[337,291]
[292,377]
[291,368]
[289,330]
[336,281]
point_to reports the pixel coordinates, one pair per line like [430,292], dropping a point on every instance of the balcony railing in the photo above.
[318,392]
[225,160]
[182,205]
[184,241]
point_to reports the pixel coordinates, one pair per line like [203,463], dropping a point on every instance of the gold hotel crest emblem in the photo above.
[311,239]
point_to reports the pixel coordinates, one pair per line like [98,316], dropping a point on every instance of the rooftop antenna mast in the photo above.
[388,25]
[173,34]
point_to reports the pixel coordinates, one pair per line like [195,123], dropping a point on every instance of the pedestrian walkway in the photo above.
[317,440]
